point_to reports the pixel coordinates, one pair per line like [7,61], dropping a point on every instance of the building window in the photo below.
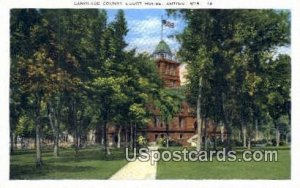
[181,122]
[156,136]
[173,71]
[195,126]
[162,136]
[167,69]
[180,136]
[182,108]
[157,121]
[173,83]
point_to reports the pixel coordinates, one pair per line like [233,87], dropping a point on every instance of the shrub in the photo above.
[174,143]
[236,143]
[162,142]
[142,141]
[281,143]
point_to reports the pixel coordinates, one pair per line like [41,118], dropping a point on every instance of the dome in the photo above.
[162,47]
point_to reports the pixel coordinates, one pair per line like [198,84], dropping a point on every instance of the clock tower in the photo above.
[167,67]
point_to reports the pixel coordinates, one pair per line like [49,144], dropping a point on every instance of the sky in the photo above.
[145,29]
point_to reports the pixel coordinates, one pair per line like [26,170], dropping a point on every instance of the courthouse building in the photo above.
[183,127]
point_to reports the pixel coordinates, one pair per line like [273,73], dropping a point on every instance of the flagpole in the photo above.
[161,33]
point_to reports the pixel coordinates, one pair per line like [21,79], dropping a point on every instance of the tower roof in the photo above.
[162,47]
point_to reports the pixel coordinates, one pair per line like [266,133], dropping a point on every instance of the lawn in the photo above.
[90,164]
[228,170]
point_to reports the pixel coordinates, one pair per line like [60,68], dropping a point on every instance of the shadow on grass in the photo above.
[86,155]
[21,171]
[89,163]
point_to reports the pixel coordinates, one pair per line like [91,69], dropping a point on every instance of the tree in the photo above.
[168,104]
[279,84]
[108,91]
[226,50]
[21,24]
[40,78]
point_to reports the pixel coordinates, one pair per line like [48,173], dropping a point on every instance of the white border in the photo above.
[227,4]
[6,5]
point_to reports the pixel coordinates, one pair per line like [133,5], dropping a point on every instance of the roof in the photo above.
[162,47]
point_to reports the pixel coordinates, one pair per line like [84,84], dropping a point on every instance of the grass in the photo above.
[228,170]
[90,164]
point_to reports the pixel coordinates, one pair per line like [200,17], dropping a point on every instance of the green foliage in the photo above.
[77,73]
[142,141]
[162,142]
[25,127]
[234,52]
[138,112]
[169,103]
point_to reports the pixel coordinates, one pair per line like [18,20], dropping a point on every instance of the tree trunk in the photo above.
[56,145]
[226,125]
[73,121]
[199,120]
[250,129]
[119,137]
[126,136]
[205,134]
[131,136]
[38,161]
[167,131]
[244,130]
[277,136]
[12,142]
[76,137]
[76,143]
[98,134]
[249,142]
[222,131]
[16,142]
[35,143]
[229,135]
[134,136]
[106,147]
[55,128]
[256,130]
[102,135]
[215,136]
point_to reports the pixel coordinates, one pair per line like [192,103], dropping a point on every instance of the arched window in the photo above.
[180,136]
[195,126]
[181,122]
[157,121]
